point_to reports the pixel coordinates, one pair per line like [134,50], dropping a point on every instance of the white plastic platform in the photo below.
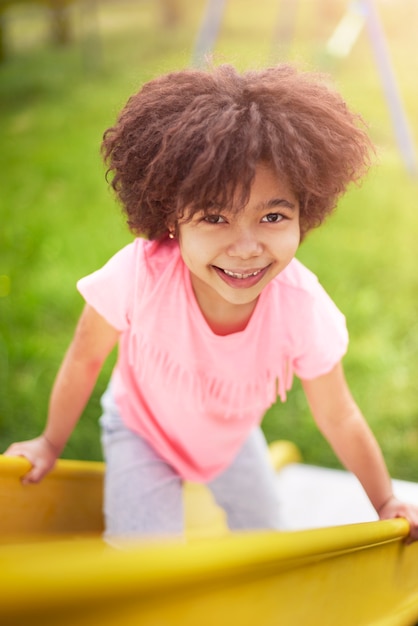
[313,497]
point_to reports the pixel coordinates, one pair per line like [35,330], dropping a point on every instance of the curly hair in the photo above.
[193,138]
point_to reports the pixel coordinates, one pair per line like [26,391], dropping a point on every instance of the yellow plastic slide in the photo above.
[55,570]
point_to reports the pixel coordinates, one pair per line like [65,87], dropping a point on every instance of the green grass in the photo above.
[59,220]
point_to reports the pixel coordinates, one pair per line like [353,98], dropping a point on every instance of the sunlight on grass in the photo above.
[59,220]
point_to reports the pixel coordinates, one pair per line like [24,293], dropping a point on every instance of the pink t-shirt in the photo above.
[192,394]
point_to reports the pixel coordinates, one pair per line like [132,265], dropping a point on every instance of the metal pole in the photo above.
[209,30]
[285,29]
[387,76]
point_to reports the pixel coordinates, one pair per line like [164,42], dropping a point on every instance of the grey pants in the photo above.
[143,493]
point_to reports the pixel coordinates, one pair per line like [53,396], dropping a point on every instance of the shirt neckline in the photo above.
[197,312]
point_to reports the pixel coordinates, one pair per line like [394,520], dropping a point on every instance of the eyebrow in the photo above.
[277,202]
[273,203]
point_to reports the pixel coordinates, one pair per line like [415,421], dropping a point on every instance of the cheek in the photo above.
[192,250]
[294,236]
[288,243]
[199,244]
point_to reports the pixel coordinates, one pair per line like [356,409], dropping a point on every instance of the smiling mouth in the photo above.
[245,277]
[239,275]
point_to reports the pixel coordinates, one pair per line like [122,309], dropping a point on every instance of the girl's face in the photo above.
[232,258]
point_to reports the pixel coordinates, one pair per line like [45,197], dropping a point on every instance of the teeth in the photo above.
[236,275]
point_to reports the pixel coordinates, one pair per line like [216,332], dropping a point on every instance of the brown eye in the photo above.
[214,219]
[273,218]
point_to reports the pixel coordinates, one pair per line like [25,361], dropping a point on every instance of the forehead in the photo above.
[267,189]
[268,182]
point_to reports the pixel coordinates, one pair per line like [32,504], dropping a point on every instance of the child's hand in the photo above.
[39,452]
[395,508]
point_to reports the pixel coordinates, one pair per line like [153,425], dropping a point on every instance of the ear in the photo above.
[172,230]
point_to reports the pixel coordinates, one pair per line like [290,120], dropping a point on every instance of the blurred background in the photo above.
[66,69]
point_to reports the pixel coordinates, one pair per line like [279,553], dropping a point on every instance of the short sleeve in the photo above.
[322,335]
[110,290]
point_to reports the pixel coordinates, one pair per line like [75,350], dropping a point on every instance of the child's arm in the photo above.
[341,422]
[93,341]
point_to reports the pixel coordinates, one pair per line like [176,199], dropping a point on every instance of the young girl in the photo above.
[224,174]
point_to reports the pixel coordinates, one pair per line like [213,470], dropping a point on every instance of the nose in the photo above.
[244,243]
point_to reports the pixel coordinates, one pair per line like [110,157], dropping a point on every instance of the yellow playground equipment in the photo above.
[56,569]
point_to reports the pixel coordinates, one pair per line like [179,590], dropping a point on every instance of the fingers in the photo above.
[15,449]
[38,454]
[413,531]
[33,476]
[396,508]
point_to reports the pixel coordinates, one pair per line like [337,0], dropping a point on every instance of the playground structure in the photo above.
[55,567]
[359,13]
[360,574]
